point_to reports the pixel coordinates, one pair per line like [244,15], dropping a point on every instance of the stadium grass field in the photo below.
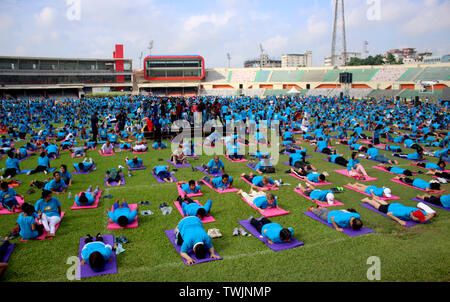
[419,253]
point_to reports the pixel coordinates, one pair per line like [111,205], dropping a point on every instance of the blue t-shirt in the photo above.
[12,163]
[130,215]
[313,177]
[433,166]
[445,200]
[49,208]
[185,187]
[272,232]
[402,212]
[90,199]
[258,181]
[218,183]
[372,152]
[420,183]
[192,232]
[397,170]
[55,186]
[43,161]
[130,163]
[8,195]
[160,169]
[96,246]
[341,218]
[319,195]
[262,203]
[377,191]
[25,223]
[215,167]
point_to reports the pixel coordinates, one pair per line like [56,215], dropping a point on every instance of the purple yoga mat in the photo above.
[113,184]
[110,267]
[276,247]
[212,175]
[171,235]
[143,167]
[87,172]
[8,253]
[370,207]
[348,231]
[178,165]
[430,204]
[160,180]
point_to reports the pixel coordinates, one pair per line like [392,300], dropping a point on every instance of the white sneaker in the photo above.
[120,167]
[9,176]
[45,172]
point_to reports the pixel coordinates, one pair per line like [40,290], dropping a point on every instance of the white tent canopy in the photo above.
[293,90]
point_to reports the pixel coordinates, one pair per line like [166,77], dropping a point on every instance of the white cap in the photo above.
[387,192]
[330,198]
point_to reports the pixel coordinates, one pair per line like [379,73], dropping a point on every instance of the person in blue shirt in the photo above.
[52,150]
[354,167]
[214,165]
[397,170]
[440,166]
[121,214]
[372,190]
[65,175]
[260,199]
[114,175]
[8,198]
[49,210]
[84,166]
[56,185]
[163,173]
[430,187]
[340,219]
[190,208]
[86,198]
[273,232]
[263,166]
[43,164]
[134,163]
[259,181]
[189,187]
[442,201]
[159,145]
[221,182]
[418,155]
[375,155]
[337,159]
[398,212]
[12,166]
[96,253]
[322,146]
[190,234]
[29,228]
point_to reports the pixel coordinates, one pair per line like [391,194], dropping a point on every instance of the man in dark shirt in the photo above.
[94,126]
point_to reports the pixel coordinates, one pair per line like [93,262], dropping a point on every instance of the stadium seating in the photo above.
[362,75]
[262,75]
[216,76]
[332,75]
[434,74]
[285,76]
[410,75]
[242,76]
[388,74]
[381,93]
[313,75]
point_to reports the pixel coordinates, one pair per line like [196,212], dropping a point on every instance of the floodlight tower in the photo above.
[229,59]
[150,47]
[339,26]
[140,59]
[261,58]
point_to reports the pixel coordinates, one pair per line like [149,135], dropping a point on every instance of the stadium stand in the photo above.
[410,75]
[216,75]
[362,75]
[262,75]
[285,76]
[313,75]
[332,75]
[434,74]
[388,74]
[242,76]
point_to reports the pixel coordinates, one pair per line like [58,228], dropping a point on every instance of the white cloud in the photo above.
[46,17]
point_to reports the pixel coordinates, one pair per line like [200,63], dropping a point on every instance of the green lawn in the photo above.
[420,253]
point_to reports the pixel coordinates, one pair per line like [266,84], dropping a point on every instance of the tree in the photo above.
[390,59]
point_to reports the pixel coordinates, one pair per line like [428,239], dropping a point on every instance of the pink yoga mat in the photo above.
[345,172]
[205,219]
[415,165]
[265,188]
[393,197]
[268,212]
[229,190]
[383,169]
[92,206]
[42,237]
[134,224]
[101,153]
[311,183]
[235,161]
[336,202]
[4,211]
[399,182]
[182,193]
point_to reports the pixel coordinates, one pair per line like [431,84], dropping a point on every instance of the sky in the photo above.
[91,28]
